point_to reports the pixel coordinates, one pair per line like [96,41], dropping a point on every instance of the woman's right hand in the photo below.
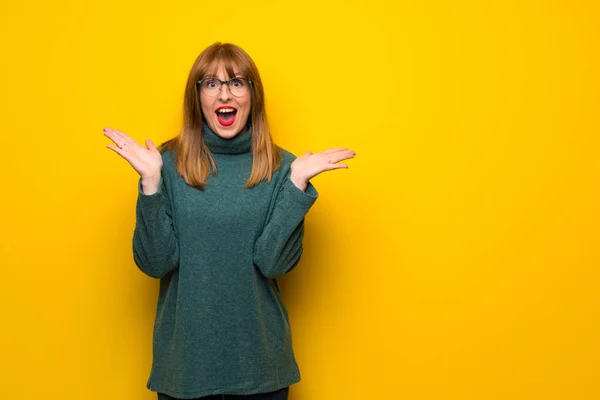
[147,162]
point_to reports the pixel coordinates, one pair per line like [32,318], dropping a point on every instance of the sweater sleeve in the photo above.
[155,244]
[279,247]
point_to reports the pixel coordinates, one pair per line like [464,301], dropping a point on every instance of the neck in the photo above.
[240,143]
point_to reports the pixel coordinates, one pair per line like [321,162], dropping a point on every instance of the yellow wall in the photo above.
[456,258]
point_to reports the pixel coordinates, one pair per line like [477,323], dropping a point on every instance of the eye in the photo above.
[210,84]
[237,82]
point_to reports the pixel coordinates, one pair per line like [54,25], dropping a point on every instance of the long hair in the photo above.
[193,158]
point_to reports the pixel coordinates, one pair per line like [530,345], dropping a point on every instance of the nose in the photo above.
[225,94]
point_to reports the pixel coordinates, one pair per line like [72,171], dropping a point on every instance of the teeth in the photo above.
[226,110]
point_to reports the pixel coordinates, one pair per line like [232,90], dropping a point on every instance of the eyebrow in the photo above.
[238,75]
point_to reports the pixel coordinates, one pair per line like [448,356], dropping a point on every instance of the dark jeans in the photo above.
[281,394]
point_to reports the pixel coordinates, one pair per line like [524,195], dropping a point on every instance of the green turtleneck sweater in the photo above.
[221,325]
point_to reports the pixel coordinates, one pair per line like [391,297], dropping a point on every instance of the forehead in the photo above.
[222,70]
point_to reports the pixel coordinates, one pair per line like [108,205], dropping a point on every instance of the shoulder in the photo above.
[169,169]
[168,155]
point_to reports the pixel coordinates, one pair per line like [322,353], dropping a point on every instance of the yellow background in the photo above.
[456,258]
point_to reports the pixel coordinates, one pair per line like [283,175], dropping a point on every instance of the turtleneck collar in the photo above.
[240,143]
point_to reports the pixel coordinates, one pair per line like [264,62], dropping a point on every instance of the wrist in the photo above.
[150,184]
[298,181]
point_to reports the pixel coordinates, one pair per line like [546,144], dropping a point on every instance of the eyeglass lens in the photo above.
[212,87]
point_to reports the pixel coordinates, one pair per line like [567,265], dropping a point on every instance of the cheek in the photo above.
[247,106]
[205,105]
[207,111]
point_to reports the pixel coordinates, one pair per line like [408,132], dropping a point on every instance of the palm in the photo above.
[146,161]
[309,165]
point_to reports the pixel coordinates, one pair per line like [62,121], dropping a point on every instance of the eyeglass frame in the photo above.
[198,83]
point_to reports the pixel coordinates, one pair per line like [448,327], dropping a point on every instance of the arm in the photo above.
[278,249]
[155,244]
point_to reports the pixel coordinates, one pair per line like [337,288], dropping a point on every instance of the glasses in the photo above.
[238,86]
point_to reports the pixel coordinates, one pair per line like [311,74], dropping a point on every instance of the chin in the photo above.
[228,132]
[228,135]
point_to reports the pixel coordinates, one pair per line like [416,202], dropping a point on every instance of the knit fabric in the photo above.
[221,326]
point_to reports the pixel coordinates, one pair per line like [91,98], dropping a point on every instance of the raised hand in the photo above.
[308,165]
[147,162]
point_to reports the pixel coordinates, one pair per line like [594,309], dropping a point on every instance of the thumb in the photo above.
[308,153]
[150,144]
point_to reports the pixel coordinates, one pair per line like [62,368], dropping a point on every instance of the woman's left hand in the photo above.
[309,165]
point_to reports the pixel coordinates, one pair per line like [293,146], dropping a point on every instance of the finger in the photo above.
[150,145]
[119,136]
[336,166]
[126,138]
[114,132]
[108,132]
[329,151]
[336,157]
[121,139]
[115,138]
[344,153]
[119,151]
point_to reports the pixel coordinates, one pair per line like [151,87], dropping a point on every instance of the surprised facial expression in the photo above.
[224,112]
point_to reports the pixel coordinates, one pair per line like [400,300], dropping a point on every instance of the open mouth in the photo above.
[226,115]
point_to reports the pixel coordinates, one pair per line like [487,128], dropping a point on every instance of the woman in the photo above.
[219,217]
